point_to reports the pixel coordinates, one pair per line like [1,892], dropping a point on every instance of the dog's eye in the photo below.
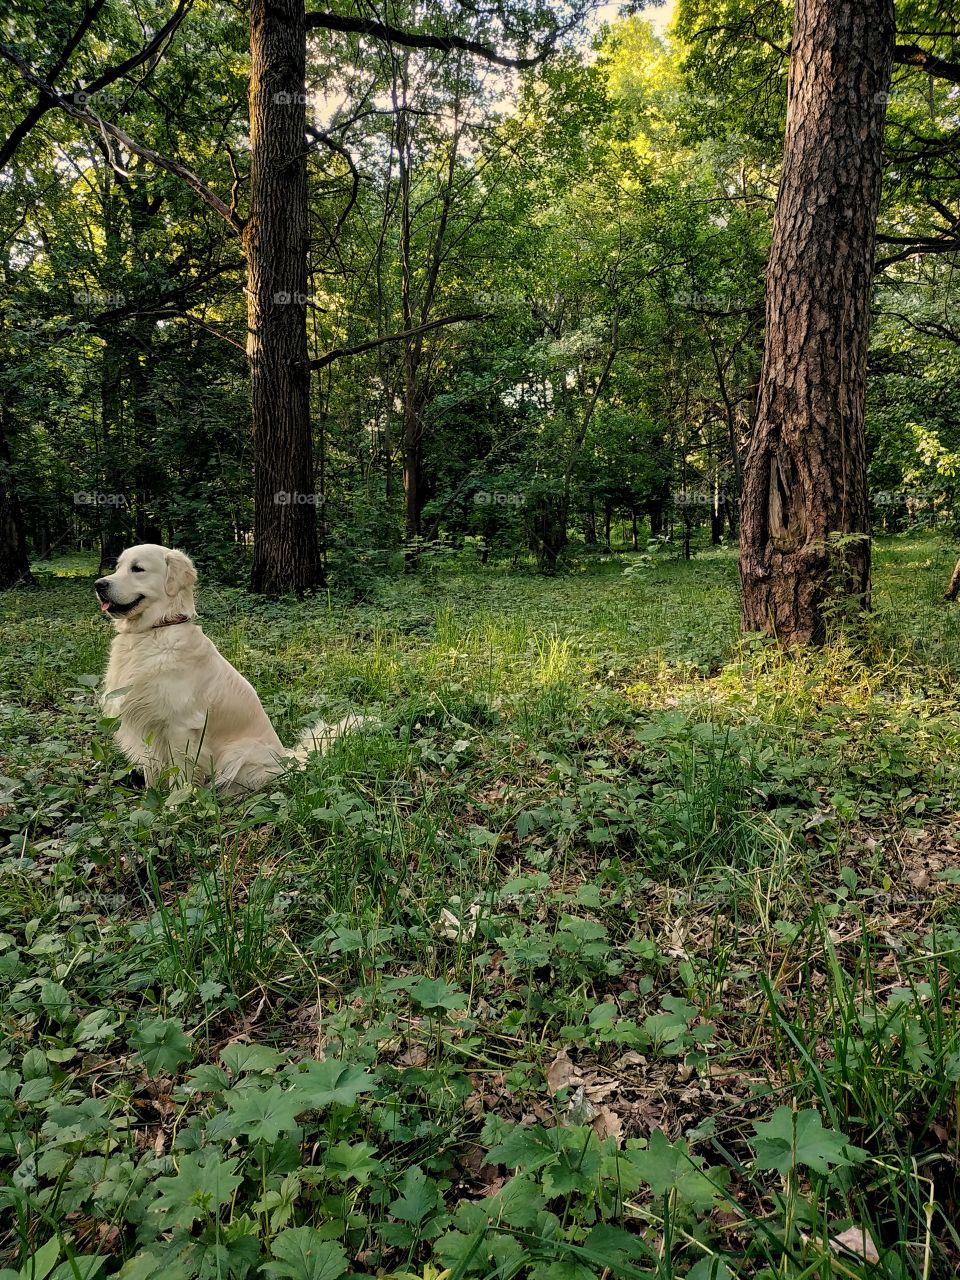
[137,568]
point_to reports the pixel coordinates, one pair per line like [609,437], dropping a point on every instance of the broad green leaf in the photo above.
[614,1245]
[34,1064]
[566,1269]
[351,1160]
[263,1114]
[329,1083]
[520,1202]
[418,1197]
[792,1138]
[39,1266]
[577,1166]
[56,1000]
[208,1078]
[667,1167]
[668,1027]
[434,993]
[528,1147]
[205,1181]
[238,1058]
[712,1268]
[162,1045]
[148,1265]
[85,1267]
[35,1090]
[96,1029]
[301,1253]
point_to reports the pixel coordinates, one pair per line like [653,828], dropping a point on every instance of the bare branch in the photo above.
[319,135]
[104,127]
[931,328]
[338,353]
[916,245]
[421,40]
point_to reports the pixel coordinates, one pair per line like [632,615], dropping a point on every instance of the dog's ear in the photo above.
[181,575]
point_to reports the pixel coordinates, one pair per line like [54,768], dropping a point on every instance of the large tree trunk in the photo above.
[805,473]
[286,554]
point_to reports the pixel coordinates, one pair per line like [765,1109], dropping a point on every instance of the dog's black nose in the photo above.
[101,586]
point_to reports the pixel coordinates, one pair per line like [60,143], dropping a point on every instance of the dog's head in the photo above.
[151,584]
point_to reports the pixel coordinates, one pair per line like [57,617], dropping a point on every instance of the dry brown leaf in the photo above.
[676,941]
[856,1240]
[631,1059]
[415,1056]
[473,1103]
[562,1073]
[607,1124]
[600,1088]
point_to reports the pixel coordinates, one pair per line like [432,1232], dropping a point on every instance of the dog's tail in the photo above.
[319,737]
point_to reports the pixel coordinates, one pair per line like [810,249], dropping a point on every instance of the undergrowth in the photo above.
[620,947]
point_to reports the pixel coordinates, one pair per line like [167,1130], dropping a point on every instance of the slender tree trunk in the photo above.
[114,500]
[718,511]
[411,433]
[14,562]
[805,473]
[716,523]
[590,527]
[417,300]
[412,454]
[146,474]
[286,555]
[953,590]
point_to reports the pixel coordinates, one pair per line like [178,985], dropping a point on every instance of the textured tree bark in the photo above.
[805,472]
[953,590]
[286,553]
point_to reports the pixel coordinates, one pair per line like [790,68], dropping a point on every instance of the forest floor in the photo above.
[620,948]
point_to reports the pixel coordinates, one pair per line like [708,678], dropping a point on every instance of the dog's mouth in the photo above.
[112,607]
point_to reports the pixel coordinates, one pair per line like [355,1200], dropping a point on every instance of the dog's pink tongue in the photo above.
[104,606]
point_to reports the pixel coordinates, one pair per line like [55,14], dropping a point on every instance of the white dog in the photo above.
[179,701]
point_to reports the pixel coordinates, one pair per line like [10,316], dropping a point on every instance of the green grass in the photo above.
[621,948]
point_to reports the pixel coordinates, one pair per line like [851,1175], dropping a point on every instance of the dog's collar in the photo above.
[171,622]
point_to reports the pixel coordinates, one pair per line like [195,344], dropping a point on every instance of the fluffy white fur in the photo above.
[179,701]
